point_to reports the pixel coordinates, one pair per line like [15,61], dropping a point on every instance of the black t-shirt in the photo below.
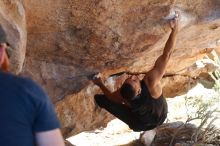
[151,112]
[24,110]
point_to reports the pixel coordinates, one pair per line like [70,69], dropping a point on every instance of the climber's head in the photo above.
[131,88]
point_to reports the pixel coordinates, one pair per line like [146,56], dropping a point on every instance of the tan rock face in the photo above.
[13,21]
[69,40]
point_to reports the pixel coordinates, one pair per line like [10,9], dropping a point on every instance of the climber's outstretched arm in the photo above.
[154,76]
[113,96]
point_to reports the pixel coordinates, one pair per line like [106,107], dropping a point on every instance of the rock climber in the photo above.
[140,102]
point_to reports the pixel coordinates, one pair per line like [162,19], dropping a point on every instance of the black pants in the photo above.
[120,111]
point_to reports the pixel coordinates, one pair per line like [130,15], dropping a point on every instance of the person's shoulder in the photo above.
[15,80]
[23,84]
[25,81]
[32,87]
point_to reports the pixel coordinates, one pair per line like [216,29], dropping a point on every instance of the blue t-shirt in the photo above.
[24,110]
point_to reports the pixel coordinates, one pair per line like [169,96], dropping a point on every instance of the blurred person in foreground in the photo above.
[27,114]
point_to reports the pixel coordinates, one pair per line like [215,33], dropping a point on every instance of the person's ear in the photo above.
[2,50]
[4,61]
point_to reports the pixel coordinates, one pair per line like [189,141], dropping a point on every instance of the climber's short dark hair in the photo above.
[127,91]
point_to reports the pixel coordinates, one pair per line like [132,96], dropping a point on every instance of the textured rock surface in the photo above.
[69,40]
[78,112]
[12,19]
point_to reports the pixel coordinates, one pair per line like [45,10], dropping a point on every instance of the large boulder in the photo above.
[69,40]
